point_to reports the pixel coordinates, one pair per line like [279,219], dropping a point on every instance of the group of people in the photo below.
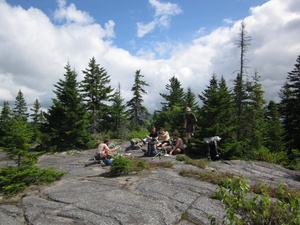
[176,146]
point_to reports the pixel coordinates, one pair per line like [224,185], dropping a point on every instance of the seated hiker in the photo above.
[103,151]
[165,138]
[178,147]
[153,134]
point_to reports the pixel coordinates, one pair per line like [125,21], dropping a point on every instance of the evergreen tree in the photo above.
[275,132]
[36,112]
[255,126]
[171,117]
[215,115]
[5,112]
[190,99]
[20,109]
[17,140]
[96,92]
[290,106]
[118,114]
[36,119]
[137,112]
[5,116]
[67,117]
[176,94]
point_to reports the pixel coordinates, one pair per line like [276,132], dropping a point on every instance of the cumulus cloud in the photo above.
[70,14]
[34,51]
[162,17]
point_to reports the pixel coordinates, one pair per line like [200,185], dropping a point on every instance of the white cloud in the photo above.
[70,14]
[34,51]
[162,17]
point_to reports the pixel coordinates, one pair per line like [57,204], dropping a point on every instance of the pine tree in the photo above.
[171,116]
[5,117]
[5,112]
[215,117]
[36,119]
[20,109]
[17,140]
[67,117]
[96,92]
[137,112]
[275,132]
[190,99]
[175,96]
[290,106]
[118,114]
[255,126]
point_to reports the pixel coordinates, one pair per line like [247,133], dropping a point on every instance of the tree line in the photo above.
[84,112]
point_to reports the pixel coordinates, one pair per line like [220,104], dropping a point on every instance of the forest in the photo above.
[87,111]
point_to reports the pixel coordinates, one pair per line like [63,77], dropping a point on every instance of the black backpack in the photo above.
[152,148]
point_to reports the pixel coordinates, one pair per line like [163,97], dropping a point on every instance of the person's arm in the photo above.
[112,149]
[176,146]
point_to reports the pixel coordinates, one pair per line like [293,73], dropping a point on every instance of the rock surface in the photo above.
[157,196]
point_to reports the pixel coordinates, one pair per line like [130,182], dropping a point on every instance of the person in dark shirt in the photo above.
[189,123]
[154,134]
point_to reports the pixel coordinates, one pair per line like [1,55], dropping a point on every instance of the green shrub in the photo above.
[120,166]
[243,209]
[13,179]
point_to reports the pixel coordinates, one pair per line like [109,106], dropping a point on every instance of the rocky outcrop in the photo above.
[157,196]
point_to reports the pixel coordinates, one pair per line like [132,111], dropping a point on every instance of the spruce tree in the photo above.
[5,112]
[215,115]
[254,125]
[5,116]
[118,114]
[176,94]
[36,117]
[137,112]
[96,92]
[67,117]
[20,109]
[190,99]
[275,132]
[171,116]
[290,106]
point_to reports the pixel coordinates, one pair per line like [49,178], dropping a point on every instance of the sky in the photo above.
[188,39]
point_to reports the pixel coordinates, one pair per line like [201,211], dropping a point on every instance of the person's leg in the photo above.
[176,151]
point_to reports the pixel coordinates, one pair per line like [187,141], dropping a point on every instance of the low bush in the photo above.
[14,180]
[241,208]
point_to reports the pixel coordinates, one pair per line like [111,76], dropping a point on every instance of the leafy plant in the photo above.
[243,209]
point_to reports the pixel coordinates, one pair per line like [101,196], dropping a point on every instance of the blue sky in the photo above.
[189,39]
[188,19]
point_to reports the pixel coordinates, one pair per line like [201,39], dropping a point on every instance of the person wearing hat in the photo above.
[103,151]
[189,123]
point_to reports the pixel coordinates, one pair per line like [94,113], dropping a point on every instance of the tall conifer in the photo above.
[290,106]
[96,93]
[137,112]
[67,117]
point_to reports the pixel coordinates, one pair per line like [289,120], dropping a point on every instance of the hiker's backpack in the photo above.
[152,148]
[136,142]
[212,145]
